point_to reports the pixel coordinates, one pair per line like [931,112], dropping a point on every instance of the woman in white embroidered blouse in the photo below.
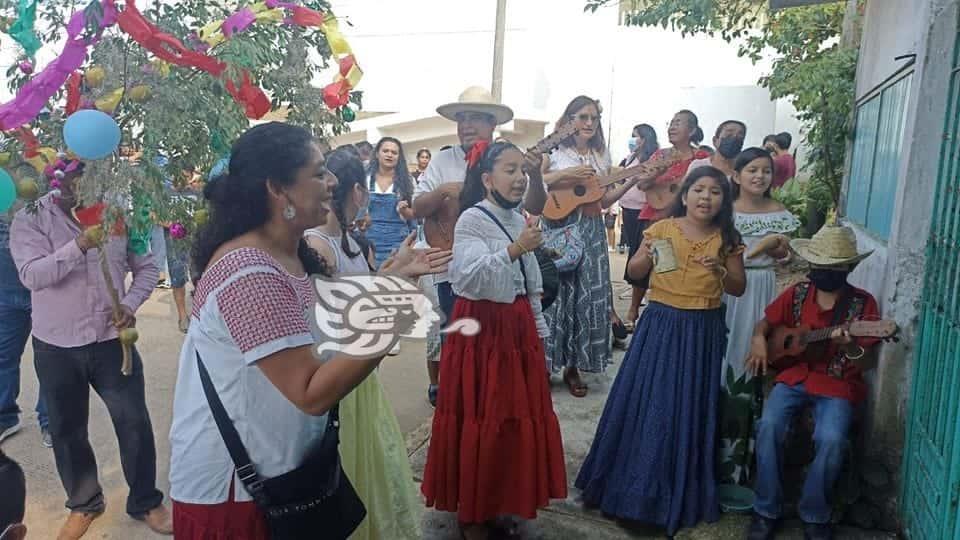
[251,328]
[496,397]
[757,216]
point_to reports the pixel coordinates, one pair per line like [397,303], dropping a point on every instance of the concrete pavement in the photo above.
[404,379]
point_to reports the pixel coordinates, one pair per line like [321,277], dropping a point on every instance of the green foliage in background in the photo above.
[189,117]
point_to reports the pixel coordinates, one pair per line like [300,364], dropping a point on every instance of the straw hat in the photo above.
[833,245]
[476,99]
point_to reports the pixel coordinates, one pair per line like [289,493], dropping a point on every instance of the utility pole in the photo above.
[497,82]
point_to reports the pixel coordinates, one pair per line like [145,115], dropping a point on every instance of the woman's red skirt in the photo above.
[230,520]
[496,447]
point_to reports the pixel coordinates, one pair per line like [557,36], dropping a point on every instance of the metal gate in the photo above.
[931,466]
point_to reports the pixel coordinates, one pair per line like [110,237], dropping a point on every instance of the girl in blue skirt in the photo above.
[653,456]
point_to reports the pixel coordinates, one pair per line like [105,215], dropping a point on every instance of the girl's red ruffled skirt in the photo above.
[496,447]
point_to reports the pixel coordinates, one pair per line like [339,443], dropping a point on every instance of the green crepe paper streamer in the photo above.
[22,30]
[217,144]
[138,236]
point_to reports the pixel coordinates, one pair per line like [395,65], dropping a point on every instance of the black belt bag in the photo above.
[314,500]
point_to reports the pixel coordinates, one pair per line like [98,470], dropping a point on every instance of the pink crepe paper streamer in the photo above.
[238,22]
[34,95]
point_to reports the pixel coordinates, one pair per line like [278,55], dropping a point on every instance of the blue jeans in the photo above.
[14,332]
[178,259]
[832,418]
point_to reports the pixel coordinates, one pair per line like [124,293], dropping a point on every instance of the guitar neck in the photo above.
[822,334]
[605,181]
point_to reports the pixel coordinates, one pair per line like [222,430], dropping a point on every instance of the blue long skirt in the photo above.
[653,456]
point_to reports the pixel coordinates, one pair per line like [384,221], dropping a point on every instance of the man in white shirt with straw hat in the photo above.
[477,115]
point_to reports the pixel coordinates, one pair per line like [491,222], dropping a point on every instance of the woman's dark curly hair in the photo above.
[724,219]
[473,189]
[402,182]
[238,197]
[348,169]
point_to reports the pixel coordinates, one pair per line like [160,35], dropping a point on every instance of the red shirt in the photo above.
[811,369]
[676,171]
[784,168]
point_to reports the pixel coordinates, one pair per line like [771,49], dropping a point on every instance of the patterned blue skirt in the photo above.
[653,457]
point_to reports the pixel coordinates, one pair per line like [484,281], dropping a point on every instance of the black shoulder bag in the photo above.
[314,500]
[548,270]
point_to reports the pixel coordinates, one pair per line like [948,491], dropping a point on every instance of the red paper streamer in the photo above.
[93,215]
[163,45]
[304,16]
[73,92]
[30,142]
[254,101]
[336,95]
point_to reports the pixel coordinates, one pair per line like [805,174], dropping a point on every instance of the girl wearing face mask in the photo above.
[757,216]
[496,447]
[653,456]
[371,444]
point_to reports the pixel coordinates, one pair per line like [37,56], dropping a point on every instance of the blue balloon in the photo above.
[91,134]
[219,168]
[8,191]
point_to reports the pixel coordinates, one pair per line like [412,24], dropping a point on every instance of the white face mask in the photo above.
[632,143]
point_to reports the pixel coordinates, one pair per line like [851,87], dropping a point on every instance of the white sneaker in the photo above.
[395,350]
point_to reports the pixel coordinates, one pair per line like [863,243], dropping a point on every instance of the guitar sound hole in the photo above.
[788,342]
[579,191]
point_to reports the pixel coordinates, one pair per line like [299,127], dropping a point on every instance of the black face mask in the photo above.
[828,280]
[729,147]
[502,201]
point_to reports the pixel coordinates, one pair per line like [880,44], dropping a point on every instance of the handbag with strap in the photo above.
[548,270]
[568,242]
[315,499]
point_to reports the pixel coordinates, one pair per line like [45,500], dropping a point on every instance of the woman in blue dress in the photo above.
[391,193]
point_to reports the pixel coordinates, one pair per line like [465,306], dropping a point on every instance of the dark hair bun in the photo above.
[697,136]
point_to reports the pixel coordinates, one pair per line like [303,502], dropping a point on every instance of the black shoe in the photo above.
[761,528]
[817,531]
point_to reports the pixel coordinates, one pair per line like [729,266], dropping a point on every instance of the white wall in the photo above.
[892,28]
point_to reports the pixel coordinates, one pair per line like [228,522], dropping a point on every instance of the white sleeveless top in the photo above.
[345,265]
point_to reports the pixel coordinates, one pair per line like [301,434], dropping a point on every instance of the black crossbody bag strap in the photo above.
[238,453]
[523,269]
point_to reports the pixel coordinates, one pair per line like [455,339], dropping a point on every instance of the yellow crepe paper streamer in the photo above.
[46,156]
[109,102]
[338,43]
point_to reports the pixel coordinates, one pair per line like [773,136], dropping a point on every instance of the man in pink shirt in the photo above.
[75,346]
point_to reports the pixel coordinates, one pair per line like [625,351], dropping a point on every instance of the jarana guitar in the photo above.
[566,196]
[438,228]
[786,345]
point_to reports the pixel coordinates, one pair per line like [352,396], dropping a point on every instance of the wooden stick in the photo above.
[127,367]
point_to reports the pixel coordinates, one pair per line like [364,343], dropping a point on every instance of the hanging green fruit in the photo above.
[347,114]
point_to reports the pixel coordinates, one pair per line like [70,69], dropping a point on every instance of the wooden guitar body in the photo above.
[785,345]
[661,195]
[568,196]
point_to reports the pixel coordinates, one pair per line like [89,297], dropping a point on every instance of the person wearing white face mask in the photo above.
[642,145]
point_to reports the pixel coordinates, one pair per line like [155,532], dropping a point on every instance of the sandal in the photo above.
[432,392]
[620,330]
[577,388]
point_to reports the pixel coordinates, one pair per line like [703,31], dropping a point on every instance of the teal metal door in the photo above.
[931,491]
